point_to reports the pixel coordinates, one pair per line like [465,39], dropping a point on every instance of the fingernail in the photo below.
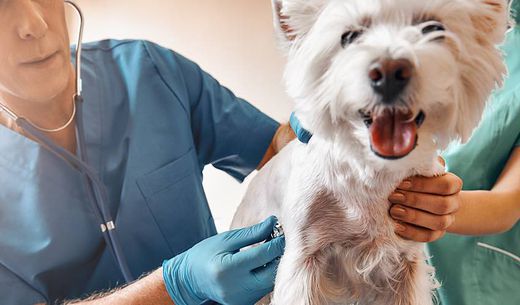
[405,185]
[399,227]
[397,198]
[398,212]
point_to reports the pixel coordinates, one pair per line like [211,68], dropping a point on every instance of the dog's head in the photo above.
[392,74]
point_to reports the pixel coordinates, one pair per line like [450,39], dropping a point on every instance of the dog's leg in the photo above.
[414,284]
[298,280]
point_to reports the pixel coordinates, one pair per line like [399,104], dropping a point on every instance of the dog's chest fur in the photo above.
[341,208]
[338,220]
[340,238]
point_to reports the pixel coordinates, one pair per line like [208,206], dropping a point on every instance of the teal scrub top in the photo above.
[485,270]
[153,120]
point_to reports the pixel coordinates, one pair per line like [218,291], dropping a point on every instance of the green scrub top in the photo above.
[485,270]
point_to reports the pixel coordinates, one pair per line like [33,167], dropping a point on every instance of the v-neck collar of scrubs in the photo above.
[43,195]
[17,152]
[20,154]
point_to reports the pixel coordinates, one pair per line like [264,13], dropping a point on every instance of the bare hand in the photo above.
[282,137]
[423,208]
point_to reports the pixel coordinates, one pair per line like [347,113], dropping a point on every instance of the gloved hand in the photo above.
[215,269]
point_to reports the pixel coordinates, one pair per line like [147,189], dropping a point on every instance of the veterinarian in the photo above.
[132,143]
[478,263]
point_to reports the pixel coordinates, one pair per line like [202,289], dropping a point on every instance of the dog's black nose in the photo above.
[389,77]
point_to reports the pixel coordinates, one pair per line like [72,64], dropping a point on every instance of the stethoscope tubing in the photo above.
[96,189]
[102,196]
[78,46]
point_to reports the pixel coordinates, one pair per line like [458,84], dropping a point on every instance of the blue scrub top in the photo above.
[153,120]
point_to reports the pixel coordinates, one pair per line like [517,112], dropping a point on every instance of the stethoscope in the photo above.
[95,189]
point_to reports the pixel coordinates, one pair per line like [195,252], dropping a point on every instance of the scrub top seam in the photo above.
[163,79]
[165,240]
[201,91]
[101,113]
[96,45]
[172,91]
[200,164]
[102,128]
[96,111]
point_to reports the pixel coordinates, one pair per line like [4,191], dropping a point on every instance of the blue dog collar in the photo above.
[303,134]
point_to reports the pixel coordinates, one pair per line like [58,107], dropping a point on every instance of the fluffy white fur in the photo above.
[331,194]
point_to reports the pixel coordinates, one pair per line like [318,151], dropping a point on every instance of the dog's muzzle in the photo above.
[390,77]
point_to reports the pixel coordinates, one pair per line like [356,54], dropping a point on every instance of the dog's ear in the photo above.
[491,18]
[294,18]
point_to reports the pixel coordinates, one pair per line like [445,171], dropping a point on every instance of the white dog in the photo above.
[382,85]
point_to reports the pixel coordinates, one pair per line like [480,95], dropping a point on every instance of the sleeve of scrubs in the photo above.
[228,132]
[14,291]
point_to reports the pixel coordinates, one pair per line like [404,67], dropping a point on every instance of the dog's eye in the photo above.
[349,37]
[433,27]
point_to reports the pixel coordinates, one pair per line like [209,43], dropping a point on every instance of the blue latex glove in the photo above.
[217,270]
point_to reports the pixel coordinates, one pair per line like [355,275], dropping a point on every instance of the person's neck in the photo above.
[49,115]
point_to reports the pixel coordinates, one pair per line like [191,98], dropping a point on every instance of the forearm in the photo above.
[486,212]
[148,290]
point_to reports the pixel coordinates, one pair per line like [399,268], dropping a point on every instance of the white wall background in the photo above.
[231,39]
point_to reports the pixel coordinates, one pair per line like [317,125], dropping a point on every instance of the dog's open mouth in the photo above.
[393,132]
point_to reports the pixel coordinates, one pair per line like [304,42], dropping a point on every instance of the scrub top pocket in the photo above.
[497,271]
[175,198]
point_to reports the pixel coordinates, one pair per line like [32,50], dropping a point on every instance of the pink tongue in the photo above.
[393,134]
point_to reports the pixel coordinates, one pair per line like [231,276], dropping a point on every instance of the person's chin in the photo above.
[43,92]
[46,86]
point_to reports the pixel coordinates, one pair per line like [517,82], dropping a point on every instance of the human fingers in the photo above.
[261,255]
[240,238]
[418,234]
[421,219]
[447,184]
[265,276]
[436,204]
[283,136]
